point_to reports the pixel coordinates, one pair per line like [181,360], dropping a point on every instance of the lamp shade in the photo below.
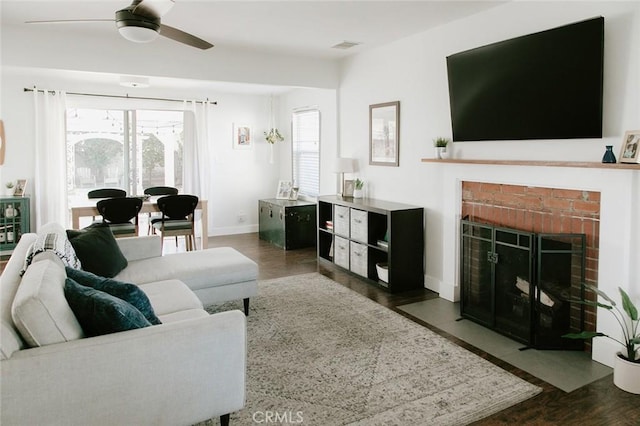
[345,165]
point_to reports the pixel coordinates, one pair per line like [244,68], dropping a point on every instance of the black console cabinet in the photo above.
[373,237]
[287,224]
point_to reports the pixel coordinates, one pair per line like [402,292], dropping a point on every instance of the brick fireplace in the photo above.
[539,210]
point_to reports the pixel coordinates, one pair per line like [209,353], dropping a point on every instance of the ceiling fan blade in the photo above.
[68,21]
[182,37]
[153,8]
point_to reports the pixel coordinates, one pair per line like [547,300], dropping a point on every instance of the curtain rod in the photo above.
[27,89]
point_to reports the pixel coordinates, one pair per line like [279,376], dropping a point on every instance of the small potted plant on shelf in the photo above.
[9,185]
[358,186]
[626,370]
[440,145]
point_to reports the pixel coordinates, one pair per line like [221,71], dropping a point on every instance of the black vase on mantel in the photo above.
[609,156]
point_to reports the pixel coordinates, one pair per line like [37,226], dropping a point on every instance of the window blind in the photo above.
[306,152]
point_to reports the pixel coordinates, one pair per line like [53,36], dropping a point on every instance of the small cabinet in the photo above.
[364,235]
[286,223]
[14,221]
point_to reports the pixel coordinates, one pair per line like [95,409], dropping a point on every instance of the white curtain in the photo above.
[197,162]
[50,175]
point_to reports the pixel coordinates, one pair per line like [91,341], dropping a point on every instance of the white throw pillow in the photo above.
[40,310]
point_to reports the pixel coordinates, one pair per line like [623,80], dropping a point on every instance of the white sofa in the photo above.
[188,369]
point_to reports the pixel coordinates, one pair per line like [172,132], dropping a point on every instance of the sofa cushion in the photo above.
[128,292]
[40,311]
[170,296]
[97,249]
[101,313]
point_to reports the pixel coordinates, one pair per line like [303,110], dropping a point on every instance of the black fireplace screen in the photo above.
[520,283]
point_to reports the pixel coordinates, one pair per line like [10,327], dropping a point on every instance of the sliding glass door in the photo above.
[128,149]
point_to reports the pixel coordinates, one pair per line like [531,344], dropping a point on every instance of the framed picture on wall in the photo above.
[284,190]
[384,134]
[630,152]
[242,136]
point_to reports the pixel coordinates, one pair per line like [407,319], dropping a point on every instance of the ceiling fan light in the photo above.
[138,34]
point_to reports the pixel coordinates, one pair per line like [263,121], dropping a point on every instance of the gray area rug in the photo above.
[321,354]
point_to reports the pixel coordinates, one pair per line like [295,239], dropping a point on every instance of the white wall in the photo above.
[413,71]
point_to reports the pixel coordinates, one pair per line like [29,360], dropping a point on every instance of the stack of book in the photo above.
[329,225]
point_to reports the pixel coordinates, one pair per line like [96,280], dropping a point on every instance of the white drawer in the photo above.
[341,220]
[341,252]
[358,259]
[359,225]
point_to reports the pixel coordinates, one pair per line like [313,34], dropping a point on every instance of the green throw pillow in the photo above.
[128,292]
[97,249]
[101,313]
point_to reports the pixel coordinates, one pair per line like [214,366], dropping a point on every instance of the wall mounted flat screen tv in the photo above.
[546,85]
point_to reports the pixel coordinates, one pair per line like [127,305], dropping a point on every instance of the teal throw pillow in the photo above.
[128,292]
[97,249]
[101,313]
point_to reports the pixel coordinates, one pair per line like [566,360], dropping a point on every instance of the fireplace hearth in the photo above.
[521,284]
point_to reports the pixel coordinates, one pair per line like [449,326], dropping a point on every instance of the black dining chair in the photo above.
[155,191]
[107,193]
[177,218]
[121,214]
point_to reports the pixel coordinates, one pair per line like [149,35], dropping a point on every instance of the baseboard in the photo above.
[232,230]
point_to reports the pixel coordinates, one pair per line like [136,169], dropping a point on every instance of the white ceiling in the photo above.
[301,27]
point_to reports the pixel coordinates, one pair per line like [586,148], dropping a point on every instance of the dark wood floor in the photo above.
[599,403]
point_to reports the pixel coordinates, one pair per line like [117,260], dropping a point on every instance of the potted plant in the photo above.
[440,144]
[626,370]
[9,185]
[272,136]
[358,185]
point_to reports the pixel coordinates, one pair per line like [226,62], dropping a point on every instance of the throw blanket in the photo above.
[55,243]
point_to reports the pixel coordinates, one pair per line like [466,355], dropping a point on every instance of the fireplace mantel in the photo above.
[578,164]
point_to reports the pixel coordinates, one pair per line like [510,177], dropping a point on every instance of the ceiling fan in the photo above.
[140,22]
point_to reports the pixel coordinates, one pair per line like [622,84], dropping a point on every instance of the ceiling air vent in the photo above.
[345,45]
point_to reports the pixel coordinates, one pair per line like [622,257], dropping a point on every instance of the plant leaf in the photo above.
[635,340]
[600,293]
[584,335]
[590,303]
[628,306]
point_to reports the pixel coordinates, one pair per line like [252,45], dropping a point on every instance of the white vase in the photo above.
[626,375]
[441,152]
[357,193]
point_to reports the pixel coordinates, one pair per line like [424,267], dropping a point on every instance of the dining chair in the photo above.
[121,214]
[177,218]
[154,191]
[106,193]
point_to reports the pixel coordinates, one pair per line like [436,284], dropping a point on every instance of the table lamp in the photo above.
[344,165]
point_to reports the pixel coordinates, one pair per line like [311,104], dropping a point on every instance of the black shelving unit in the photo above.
[358,234]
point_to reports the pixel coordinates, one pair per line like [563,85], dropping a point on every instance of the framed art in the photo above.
[284,190]
[384,134]
[21,185]
[242,136]
[348,188]
[630,152]
[293,196]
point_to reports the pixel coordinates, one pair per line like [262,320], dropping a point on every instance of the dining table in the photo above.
[84,208]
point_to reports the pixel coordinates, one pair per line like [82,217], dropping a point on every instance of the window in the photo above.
[306,152]
[103,150]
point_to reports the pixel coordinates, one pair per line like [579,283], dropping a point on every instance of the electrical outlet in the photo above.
[242,217]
